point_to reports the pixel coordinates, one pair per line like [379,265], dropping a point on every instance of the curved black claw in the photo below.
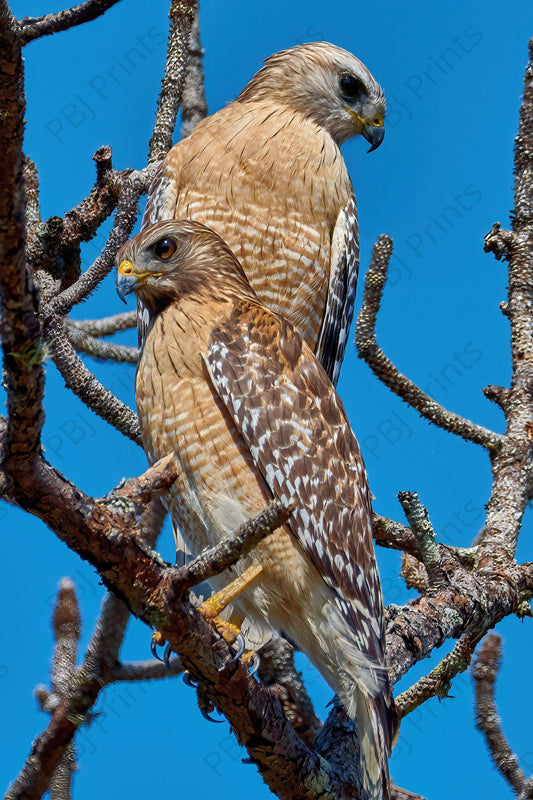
[188,681]
[166,656]
[153,650]
[240,643]
[256,660]
[205,715]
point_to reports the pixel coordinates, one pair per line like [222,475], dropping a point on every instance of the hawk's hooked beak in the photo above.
[374,134]
[126,281]
[373,131]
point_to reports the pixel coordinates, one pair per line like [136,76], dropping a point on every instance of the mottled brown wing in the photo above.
[296,428]
[338,313]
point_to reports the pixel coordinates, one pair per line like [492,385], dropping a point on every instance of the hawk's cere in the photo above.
[233,390]
[267,175]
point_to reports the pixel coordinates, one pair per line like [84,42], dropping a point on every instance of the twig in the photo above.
[485,670]
[236,545]
[91,346]
[390,534]
[54,246]
[133,186]
[385,369]
[527,791]
[135,493]
[439,680]
[182,15]
[67,630]
[193,103]
[83,383]
[34,27]
[418,519]
[150,670]
[31,182]
[498,395]
[106,326]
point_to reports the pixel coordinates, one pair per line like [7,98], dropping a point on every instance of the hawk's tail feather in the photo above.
[374,726]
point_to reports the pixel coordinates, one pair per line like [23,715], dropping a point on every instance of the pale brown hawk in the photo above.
[267,175]
[234,391]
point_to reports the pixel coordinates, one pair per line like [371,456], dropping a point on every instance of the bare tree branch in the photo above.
[34,27]
[488,662]
[23,371]
[106,326]
[54,245]
[31,182]
[182,15]
[418,519]
[236,545]
[385,369]
[193,103]
[83,383]
[67,630]
[439,680]
[91,346]
[150,670]
[512,466]
[134,184]
[134,494]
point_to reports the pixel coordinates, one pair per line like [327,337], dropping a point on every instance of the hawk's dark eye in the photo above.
[351,87]
[165,248]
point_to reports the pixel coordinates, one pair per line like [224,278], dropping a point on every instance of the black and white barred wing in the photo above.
[344,269]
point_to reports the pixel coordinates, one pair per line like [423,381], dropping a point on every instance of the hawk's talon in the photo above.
[188,681]
[240,643]
[205,714]
[166,656]
[256,661]
[157,640]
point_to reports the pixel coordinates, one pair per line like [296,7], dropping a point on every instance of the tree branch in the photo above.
[23,371]
[67,630]
[512,467]
[485,670]
[235,546]
[418,519]
[439,680]
[385,369]
[182,15]
[134,184]
[193,103]
[34,27]
[83,383]
[106,326]
[91,346]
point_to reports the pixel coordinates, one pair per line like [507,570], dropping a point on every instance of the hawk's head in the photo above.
[327,84]
[175,258]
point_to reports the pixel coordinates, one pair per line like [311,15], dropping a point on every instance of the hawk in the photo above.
[267,175]
[233,390]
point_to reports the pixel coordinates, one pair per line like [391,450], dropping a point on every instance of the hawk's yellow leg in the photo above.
[212,607]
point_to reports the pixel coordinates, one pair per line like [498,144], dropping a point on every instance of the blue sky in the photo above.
[453,74]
